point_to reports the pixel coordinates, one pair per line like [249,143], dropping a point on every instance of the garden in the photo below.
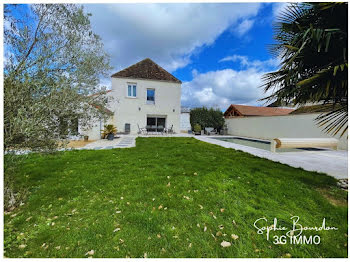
[168,197]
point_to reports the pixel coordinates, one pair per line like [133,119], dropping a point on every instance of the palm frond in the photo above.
[311,41]
[335,120]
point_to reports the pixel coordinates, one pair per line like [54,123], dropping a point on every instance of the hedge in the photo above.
[207,118]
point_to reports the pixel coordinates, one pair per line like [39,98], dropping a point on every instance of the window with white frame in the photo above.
[131,90]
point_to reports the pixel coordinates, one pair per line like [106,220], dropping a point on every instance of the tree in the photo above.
[207,118]
[312,40]
[53,63]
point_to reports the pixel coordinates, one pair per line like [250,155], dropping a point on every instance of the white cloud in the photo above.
[244,27]
[265,65]
[234,58]
[167,33]
[278,8]
[105,83]
[224,87]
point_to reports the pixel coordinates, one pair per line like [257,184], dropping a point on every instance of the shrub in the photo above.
[207,118]
[197,128]
[109,129]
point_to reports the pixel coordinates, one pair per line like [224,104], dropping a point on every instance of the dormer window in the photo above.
[131,90]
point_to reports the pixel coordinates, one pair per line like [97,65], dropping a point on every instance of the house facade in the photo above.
[143,95]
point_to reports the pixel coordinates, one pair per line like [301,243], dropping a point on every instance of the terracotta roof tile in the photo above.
[102,108]
[243,110]
[146,69]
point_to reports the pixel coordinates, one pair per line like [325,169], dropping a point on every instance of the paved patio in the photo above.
[124,141]
[333,163]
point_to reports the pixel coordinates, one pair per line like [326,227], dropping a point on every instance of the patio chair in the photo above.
[213,132]
[170,130]
[154,129]
[160,129]
[142,131]
[207,130]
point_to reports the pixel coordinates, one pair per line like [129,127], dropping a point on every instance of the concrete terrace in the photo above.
[333,163]
[124,141]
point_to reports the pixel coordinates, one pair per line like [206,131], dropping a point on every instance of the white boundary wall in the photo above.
[289,126]
[185,124]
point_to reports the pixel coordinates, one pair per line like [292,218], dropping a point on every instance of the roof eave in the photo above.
[168,81]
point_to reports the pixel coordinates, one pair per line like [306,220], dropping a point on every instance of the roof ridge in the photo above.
[275,107]
[146,69]
[134,65]
[246,110]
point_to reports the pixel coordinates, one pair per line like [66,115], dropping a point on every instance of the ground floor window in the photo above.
[155,124]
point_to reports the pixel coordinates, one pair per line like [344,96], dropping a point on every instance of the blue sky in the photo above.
[219,51]
[252,44]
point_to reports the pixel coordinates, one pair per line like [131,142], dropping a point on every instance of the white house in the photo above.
[143,95]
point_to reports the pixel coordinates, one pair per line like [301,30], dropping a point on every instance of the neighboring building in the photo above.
[185,124]
[143,95]
[271,122]
[244,111]
[280,104]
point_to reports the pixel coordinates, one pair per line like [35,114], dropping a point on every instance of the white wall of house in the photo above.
[95,128]
[185,124]
[135,110]
[289,126]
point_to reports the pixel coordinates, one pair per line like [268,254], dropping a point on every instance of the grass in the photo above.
[167,197]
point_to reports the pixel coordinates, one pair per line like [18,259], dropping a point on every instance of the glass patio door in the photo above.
[155,124]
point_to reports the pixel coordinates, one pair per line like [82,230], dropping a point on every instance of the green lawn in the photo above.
[168,197]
